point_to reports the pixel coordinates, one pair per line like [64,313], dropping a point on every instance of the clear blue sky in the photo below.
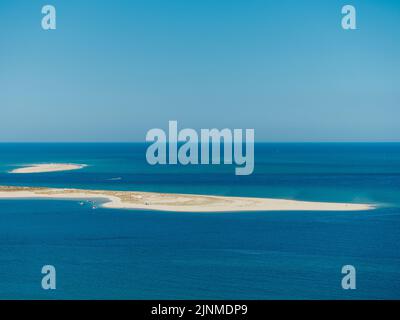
[115,69]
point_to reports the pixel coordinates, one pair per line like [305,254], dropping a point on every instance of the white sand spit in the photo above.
[177,202]
[48,167]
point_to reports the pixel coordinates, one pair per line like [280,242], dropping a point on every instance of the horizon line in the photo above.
[144,142]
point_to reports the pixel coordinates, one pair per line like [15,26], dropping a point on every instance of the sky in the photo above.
[112,70]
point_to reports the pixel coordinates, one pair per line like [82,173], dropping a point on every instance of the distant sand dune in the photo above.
[178,202]
[48,167]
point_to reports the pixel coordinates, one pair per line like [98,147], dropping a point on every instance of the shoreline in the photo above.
[176,202]
[47,167]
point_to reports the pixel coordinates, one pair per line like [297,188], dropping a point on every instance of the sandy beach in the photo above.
[48,167]
[177,202]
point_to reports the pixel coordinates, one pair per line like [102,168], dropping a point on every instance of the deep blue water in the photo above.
[107,253]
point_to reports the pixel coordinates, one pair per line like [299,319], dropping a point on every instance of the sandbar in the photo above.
[48,167]
[177,202]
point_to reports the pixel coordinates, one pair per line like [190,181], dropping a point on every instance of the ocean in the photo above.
[139,254]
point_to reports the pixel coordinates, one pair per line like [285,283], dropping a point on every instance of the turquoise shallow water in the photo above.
[125,254]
